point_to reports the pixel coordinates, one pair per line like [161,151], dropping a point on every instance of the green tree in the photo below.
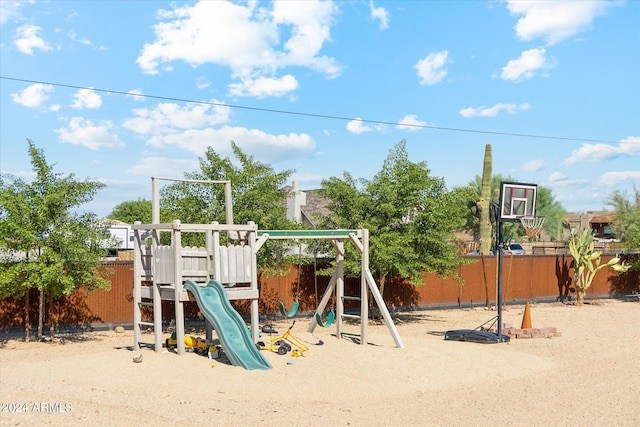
[257,192]
[546,206]
[410,215]
[626,224]
[132,211]
[552,210]
[46,245]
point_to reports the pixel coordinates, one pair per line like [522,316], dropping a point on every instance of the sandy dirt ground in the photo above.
[588,376]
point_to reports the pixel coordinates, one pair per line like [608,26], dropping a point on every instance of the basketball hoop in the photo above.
[532,225]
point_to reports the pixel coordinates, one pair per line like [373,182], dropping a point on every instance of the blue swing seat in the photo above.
[294,309]
[330,317]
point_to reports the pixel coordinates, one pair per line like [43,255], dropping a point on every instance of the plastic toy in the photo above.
[196,344]
[282,344]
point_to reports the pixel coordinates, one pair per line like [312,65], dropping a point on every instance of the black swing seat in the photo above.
[268,329]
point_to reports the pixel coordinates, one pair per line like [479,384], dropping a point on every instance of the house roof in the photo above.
[601,219]
[316,207]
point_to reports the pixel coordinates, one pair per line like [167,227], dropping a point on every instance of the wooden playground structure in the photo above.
[160,271]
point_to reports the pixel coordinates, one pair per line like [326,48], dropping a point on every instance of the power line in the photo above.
[316,115]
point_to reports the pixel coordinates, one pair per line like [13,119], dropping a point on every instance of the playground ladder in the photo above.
[141,301]
[142,323]
[350,316]
[145,299]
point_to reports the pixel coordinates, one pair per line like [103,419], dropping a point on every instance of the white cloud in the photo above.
[164,166]
[86,98]
[410,122]
[170,118]
[136,94]
[33,96]
[527,65]
[192,128]
[558,179]
[557,176]
[599,152]
[612,179]
[266,147]
[73,36]
[27,39]
[356,126]
[264,86]
[432,69]
[483,111]
[556,20]
[8,10]
[380,14]
[202,82]
[28,175]
[533,166]
[87,134]
[254,42]
[308,178]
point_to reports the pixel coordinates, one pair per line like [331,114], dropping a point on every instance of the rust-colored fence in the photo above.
[529,277]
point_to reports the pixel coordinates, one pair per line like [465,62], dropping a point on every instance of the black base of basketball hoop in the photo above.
[474,335]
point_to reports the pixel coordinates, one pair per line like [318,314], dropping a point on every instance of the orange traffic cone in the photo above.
[526,318]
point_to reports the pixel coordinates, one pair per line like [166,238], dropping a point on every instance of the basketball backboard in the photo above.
[517,200]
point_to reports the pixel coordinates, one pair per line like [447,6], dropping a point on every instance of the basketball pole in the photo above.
[499,301]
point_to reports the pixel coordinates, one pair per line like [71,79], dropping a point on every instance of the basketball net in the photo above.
[532,225]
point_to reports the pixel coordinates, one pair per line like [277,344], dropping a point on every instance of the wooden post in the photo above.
[323,303]
[155,201]
[255,313]
[364,289]
[137,279]
[339,244]
[176,244]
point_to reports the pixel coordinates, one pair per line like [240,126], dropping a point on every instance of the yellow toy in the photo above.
[282,343]
[196,344]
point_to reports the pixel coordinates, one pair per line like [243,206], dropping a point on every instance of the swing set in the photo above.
[332,314]
[169,267]
[360,239]
[296,304]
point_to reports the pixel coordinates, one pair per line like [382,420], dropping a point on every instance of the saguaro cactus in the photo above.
[484,203]
[587,262]
[484,216]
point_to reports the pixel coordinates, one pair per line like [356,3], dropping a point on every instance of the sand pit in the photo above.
[587,376]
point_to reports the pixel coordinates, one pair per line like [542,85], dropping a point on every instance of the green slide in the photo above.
[229,325]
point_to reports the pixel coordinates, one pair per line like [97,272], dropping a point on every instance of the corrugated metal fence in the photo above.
[529,277]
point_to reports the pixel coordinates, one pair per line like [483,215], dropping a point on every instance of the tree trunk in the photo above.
[52,322]
[27,324]
[580,294]
[41,314]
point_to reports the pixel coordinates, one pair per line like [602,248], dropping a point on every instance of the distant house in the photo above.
[599,222]
[306,206]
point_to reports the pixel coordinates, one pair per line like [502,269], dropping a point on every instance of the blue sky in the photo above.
[122,91]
